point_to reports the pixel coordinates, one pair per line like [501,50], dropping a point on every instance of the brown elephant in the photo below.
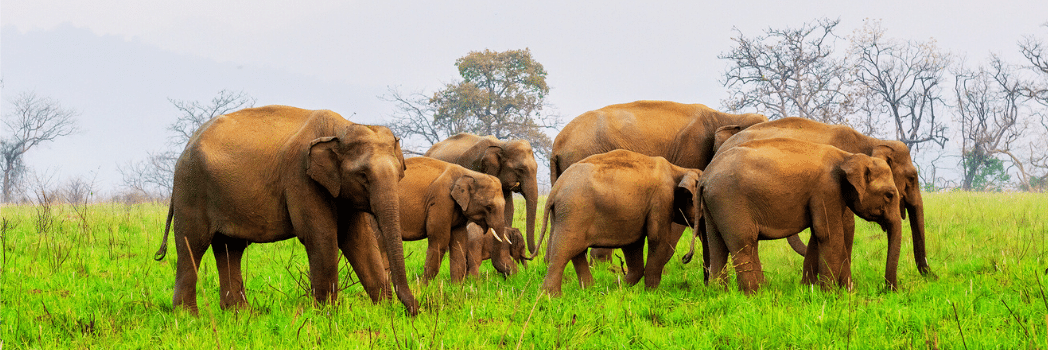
[849,140]
[512,162]
[681,133]
[480,244]
[272,173]
[776,188]
[615,200]
[437,200]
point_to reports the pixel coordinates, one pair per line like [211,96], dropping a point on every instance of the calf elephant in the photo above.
[681,133]
[437,200]
[847,139]
[481,243]
[512,162]
[271,173]
[775,188]
[615,200]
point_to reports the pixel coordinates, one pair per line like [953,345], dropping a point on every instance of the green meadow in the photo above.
[84,277]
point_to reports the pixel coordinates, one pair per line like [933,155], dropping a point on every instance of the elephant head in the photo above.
[361,169]
[906,180]
[513,163]
[875,198]
[481,201]
[685,198]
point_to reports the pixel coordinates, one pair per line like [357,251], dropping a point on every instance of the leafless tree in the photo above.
[154,176]
[31,121]
[1036,53]
[413,115]
[789,72]
[900,85]
[990,107]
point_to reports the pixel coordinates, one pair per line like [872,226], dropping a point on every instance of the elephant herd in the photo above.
[620,174]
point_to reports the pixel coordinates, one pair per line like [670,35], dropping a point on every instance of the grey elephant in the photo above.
[512,162]
[684,134]
[775,188]
[481,243]
[271,173]
[616,200]
[437,200]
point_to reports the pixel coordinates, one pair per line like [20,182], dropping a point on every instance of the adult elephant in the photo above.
[512,162]
[896,153]
[437,200]
[681,133]
[272,173]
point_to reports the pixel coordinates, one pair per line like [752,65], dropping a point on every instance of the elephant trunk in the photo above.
[894,230]
[915,209]
[531,199]
[385,204]
[500,248]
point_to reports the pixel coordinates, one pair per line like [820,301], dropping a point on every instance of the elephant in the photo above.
[437,200]
[271,173]
[775,188]
[513,162]
[615,200]
[479,248]
[849,140]
[681,133]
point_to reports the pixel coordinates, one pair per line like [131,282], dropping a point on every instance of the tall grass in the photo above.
[88,281]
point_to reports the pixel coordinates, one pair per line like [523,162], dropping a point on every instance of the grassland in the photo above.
[89,281]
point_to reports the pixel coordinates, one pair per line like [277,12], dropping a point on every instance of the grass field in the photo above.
[88,280]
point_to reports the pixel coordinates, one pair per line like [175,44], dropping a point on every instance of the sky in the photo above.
[118,62]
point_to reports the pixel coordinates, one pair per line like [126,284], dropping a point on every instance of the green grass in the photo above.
[91,282]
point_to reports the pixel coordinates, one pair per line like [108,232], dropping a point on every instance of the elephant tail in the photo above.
[162,252]
[546,217]
[694,231]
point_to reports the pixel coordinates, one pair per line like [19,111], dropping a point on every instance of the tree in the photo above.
[32,120]
[990,111]
[1036,54]
[789,72]
[900,81]
[155,175]
[501,94]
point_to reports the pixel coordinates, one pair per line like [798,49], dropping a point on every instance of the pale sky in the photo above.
[118,62]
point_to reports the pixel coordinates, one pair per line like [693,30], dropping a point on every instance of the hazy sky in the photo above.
[118,62]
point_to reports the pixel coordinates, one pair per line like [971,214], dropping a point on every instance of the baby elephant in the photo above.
[775,188]
[615,200]
[480,244]
[438,199]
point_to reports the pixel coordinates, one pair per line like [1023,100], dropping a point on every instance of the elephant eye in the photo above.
[889,196]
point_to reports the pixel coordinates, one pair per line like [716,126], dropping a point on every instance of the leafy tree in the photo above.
[500,94]
[31,121]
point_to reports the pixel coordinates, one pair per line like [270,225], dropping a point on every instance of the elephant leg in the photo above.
[634,255]
[228,253]
[558,252]
[457,260]
[361,249]
[812,265]
[717,252]
[747,266]
[323,267]
[191,241]
[434,255]
[845,279]
[659,253]
[582,269]
[601,254]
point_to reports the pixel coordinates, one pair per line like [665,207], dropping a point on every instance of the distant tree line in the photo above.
[995,113]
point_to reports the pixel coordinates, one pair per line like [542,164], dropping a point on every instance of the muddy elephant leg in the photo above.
[228,252]
[582,270]
[362,250]
[191,241]
[634,255]
[457,260]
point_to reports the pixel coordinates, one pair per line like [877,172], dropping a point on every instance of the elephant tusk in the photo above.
[508,240]
[495,234]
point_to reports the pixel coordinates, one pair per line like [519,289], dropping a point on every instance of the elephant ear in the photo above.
[322,164]
[856,168]
[491,161]
[684,195]
[723,133]
[462,190]
[884,152]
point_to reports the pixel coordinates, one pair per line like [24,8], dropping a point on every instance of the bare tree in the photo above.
[154,176]
[1036,53]
[990,104]
[900,84]
[789,72]
[31,121]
